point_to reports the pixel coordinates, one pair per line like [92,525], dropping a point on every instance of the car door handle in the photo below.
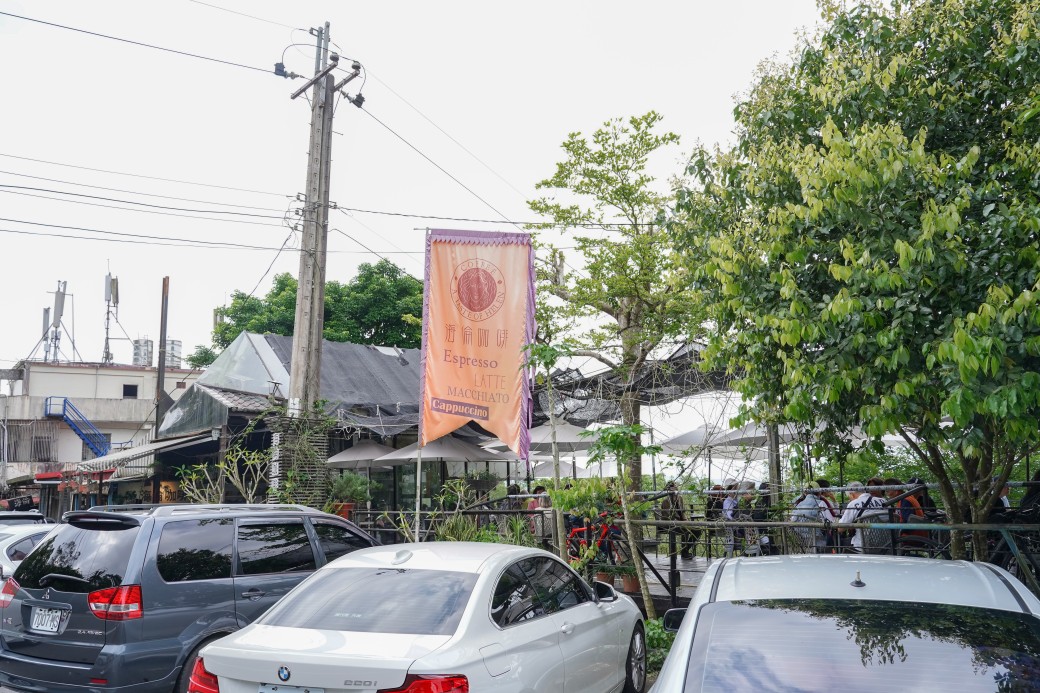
[567,628]
[253,594]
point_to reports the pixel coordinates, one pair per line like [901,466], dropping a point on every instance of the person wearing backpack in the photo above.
[807,508]
[861,502]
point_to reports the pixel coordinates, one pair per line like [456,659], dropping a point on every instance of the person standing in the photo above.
[674,510]
[861,501]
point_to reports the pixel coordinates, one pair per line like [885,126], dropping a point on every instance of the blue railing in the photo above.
[88,432]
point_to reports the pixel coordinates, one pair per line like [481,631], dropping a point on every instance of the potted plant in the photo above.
[482,482]
[349,490]
[629,579]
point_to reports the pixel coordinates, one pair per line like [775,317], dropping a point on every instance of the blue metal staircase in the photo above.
[61,407]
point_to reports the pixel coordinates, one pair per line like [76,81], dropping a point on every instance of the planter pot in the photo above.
[605,577]
[629,583]
[343,509]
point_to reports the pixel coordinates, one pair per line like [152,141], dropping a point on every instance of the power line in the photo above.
[145,239]
[135,192]
[138,175]
[446,134]
[438,166]
[140,204]
[243,14]
[141,211]
[139,43]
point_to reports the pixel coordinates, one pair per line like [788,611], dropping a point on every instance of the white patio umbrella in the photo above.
[754,435]
[359,455]
[444,449]
[568,470]
[704,435]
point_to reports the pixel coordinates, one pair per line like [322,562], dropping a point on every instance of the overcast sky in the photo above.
[466,105]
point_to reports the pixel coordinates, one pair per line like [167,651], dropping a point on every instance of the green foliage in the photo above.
[870,248]
[658,643]
[350,487]
[201,357]
[631,287]
[381,305]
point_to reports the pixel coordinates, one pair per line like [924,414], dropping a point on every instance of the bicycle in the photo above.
[605,535]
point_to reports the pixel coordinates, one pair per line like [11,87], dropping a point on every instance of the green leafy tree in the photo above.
[873,236]
[201,357]
[624,293]
[381,305]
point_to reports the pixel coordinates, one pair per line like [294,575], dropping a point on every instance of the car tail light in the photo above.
[202,681]
[423,683]
[116,603]
[7,593]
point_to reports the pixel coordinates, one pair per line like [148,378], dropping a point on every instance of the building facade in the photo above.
[54,416]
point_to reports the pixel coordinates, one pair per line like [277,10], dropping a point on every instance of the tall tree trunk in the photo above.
[630,416]
[634,549]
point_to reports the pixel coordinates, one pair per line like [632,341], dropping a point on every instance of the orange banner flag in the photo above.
[478,317]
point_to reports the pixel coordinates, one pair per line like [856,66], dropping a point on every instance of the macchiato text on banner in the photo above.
[478,317]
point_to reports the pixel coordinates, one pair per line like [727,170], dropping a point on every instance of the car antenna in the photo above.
[857,582]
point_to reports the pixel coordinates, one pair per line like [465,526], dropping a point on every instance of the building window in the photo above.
[181,384]
[129,392]
[42,450]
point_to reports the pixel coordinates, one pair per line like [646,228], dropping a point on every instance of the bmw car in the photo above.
[436,617]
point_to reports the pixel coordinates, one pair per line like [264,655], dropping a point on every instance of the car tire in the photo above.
[635,662]
[189,664]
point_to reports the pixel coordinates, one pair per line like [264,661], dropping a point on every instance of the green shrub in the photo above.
[658,643]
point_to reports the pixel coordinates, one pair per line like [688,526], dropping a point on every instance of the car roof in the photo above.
[463,556]
[23,530]
[886,578]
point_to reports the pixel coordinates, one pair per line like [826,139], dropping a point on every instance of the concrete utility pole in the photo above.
[305,369]
[310,294]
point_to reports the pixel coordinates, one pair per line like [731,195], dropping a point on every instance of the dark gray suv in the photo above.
[119,599]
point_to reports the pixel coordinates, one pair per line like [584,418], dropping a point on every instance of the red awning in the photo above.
[48,476]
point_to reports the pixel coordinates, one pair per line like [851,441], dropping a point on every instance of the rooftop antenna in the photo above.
[59,310]
[111,308]
[46,330]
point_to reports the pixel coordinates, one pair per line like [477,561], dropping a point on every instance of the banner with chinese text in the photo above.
[478,315]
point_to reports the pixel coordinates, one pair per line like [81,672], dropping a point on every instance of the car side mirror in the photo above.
[604,592]
[673,618]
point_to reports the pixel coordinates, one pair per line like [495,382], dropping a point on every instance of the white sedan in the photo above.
[16,541]
[436,617]
[854,624]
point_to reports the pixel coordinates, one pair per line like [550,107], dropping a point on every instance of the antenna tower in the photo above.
[111,308]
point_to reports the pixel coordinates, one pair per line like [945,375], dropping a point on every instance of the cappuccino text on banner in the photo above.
[478,315]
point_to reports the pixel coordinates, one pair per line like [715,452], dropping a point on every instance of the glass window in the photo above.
[377,600]
[93,558]
[20,550]
[274,547]
[514,599]
[557,587]
[862,646]
[336,540]
[195,550]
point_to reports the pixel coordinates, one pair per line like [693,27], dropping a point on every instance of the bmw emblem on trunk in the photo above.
[283,673]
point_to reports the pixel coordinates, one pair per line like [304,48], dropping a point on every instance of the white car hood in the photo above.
[330,659]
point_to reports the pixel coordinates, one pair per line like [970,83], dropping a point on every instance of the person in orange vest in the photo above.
[908,510]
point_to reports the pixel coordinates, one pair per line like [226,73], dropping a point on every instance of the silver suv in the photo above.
[119,598]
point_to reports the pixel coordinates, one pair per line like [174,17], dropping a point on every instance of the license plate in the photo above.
[45,620]
[281,688]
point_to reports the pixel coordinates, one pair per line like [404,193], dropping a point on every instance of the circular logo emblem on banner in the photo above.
[477,289]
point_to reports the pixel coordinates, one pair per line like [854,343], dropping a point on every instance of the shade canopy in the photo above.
[754,435]
[446,449]
[544,470]
[702,436]
[359,455]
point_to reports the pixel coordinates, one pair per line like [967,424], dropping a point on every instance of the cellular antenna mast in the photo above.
[111,308]
[59,310]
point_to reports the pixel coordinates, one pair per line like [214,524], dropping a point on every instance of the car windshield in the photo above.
[377,600]
[862,646]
